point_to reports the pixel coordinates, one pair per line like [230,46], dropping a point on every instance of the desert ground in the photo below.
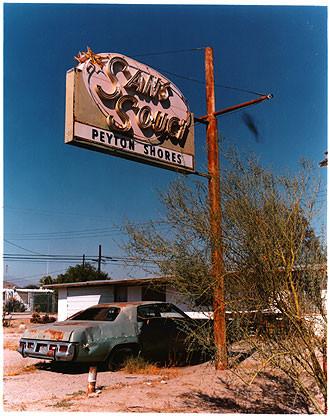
[34,385]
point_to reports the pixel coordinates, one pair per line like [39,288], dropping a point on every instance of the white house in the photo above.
[73,297]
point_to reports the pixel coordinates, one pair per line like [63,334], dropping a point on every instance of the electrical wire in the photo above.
[189,78]
[87,233]
[216,85]
[22,248]
[51,213]
[37,275]
[115,227]
[168,52]
[70,258]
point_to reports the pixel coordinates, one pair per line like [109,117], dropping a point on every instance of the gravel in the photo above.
[33,385]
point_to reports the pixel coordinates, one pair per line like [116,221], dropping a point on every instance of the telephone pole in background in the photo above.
[99,259]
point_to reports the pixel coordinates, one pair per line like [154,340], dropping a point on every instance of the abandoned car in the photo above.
[110,333]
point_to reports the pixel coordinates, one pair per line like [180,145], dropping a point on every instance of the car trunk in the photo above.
[59,331]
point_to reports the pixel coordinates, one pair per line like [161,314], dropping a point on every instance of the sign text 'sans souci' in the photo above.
[147,85]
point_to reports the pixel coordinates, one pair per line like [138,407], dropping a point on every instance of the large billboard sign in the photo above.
[117,105]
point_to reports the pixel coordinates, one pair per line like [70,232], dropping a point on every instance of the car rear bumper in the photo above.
[47,350]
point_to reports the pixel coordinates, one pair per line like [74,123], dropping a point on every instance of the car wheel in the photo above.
[118,357]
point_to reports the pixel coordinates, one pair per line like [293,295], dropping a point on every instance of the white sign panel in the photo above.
[113,141]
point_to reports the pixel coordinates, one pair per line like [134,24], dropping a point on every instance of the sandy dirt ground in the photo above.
[34,385]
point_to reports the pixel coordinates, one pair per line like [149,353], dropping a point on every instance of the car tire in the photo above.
[117,358]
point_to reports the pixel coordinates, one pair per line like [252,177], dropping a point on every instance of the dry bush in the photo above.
[22,370]
[274,262]
[62,404]
[6,318]
[38,319]
[137,365]
[10,345]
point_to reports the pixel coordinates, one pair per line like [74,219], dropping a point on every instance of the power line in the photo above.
[28,278]
[69,258]
[88,230]
[81,233]
[168,52]
[37,275]
[51,213]
[189,78]
[22,248]
[198,81]
[98,235]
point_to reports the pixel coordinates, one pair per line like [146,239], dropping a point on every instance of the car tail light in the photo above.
[63,348]
[52,347]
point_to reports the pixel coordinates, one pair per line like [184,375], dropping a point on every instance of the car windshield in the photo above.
[97,314]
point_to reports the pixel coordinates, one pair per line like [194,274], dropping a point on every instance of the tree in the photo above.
[279,265]
[273,261]
[46,280]
[78,273]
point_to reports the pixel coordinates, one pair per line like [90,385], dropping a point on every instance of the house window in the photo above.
[154,293]
[120,293]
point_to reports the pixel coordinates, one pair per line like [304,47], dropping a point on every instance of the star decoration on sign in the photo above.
[93,57]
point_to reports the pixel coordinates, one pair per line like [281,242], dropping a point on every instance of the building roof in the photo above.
[121,282]
[34,290]
[127,304]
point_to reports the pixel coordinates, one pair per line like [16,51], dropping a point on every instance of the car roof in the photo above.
[126,304]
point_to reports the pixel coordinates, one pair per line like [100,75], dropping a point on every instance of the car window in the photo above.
[97,314]
[167,310]
[112,314]
[159,310]
[148,312]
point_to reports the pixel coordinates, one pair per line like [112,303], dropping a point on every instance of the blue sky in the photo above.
[54,192]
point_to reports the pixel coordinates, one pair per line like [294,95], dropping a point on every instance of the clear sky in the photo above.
[60,199]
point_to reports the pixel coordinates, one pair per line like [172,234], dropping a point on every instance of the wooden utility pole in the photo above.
[218,270]
[215,215]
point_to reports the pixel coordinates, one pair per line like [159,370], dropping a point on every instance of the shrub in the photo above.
[6,318]
[14,306]
[45,319]
[138,365]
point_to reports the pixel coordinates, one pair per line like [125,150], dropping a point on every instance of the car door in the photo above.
[160,337]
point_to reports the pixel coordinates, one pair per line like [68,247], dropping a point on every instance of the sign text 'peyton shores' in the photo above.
[117,105]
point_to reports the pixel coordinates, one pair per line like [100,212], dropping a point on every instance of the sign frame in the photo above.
[87,126]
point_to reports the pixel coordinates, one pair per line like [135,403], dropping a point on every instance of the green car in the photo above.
[110,333]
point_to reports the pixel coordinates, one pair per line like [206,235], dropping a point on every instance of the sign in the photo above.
[117,105]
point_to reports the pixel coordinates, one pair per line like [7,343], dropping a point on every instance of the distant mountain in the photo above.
[8,285]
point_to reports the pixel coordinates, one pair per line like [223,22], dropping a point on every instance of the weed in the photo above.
[22,408]
[62,403]
[137,365]
[38,319]
[76,393]
[20,371]
[115,386]
[10,345]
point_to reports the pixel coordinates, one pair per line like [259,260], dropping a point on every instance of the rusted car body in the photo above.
[109,333]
